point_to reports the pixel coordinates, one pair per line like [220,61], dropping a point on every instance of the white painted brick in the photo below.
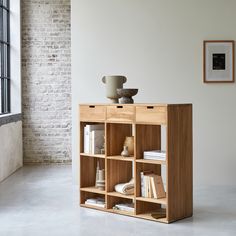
[46,76]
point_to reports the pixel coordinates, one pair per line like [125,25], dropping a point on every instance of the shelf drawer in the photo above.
[120,113]
[151,114]
[92,113]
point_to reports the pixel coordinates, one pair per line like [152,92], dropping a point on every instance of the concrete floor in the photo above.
[40,200]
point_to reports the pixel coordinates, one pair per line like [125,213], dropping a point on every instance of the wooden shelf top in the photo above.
[160,162]
[120,158]
[93,155]
[153,200]
[115,194]
[92,189]
[134,104]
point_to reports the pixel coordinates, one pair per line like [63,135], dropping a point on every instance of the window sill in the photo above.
[10,118]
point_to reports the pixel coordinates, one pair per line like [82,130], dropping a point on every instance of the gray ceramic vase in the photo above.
[113,82]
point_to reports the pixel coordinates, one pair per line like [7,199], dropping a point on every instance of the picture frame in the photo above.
[218,61]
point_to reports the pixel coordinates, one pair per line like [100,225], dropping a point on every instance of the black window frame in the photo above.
[5,67]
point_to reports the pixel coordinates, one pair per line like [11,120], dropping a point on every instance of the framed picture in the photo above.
[218,61]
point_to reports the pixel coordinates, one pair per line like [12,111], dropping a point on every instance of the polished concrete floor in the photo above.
[40,200]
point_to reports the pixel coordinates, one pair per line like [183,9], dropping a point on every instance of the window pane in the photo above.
[1,24]
[5,24]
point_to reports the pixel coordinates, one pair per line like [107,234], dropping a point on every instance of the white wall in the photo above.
[157,44]
[10,149]
[11,157]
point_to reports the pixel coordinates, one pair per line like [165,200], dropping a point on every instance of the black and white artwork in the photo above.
[218,61]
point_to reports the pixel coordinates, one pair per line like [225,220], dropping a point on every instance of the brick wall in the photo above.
[46,80]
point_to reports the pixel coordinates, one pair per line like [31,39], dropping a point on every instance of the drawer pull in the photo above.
[119,107]
[91,106]
[150,107]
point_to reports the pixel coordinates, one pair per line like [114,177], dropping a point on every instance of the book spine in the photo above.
[142,184]
[86,139]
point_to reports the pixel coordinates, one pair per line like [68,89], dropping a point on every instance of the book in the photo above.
[87,136]
[124,207]
[98,202]
[142,174]
[155,153]
[97,141]
[152,185]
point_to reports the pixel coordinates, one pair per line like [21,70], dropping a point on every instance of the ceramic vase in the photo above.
[125,152]
[129,142]
[113,82]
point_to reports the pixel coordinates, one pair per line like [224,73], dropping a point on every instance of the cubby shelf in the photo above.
[120,158]
[115,194]
[92,155]
[145,122]
[153,200]
[159,162]
[92,189]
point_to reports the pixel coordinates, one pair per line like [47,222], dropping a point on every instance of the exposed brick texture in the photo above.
[46,80]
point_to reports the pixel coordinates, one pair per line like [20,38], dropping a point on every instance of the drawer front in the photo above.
[151,114]
[92,113]
[120,113]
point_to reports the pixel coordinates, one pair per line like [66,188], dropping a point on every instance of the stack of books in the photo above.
[124,207]
[93,139]
[98,202]
[151,185]
[155,155]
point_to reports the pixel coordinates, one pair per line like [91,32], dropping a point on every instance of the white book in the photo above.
[97,141]
[87,134]
[159,153]
[153,158]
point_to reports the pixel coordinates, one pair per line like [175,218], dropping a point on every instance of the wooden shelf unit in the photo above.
[144,122]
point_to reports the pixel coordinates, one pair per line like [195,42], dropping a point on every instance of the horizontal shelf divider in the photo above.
[115,194]
[93,189]
[153,200]
[92,155]
[121,158]
[159,162]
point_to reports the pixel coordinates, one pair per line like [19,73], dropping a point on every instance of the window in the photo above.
[4,57]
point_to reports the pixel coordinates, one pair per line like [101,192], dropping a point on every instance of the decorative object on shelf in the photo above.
[129,142]
[124,207]
[125,188]
[125,152]
[218,61]
[100,178]
[103,146]
[97,202]
[113,82]
[126,95]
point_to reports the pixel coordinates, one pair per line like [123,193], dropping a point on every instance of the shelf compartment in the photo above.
[92,155]
[146,209]
[118,172]
[162,201]
[115,194]
[140,167]
[92,189]
[86,195]
[88,170]
[158,162]
[115,137]
[113,200]
[121,158]
[148,137]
